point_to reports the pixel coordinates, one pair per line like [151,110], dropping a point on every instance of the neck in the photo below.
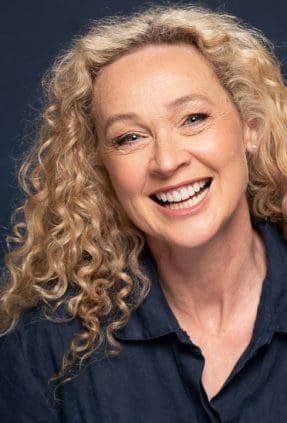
[215,279]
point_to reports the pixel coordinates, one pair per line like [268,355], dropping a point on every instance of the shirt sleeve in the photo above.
[24,396]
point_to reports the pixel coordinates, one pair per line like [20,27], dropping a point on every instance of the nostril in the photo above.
[168,158]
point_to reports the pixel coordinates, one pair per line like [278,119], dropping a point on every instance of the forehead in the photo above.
[154,73]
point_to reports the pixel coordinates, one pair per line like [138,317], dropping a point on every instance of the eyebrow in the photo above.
[188,99]
[173,104]
[118,118]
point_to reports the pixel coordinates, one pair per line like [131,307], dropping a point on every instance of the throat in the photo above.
[215,281]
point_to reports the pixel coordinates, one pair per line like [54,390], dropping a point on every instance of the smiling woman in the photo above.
[147,283]
[184,133]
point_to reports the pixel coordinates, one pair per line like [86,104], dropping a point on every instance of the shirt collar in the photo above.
[272,312]
[154,318]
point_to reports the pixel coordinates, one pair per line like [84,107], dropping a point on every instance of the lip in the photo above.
[179,185]
[188,211]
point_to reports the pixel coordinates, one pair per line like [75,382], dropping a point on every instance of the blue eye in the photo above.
[195,118]
[126,139]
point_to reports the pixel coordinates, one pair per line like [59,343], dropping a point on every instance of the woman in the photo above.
[142,289]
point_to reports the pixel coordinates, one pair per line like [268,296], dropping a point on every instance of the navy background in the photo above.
[33,32]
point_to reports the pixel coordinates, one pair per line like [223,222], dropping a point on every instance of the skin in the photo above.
[159,141]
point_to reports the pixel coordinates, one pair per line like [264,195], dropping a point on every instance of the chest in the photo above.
[219,361]
[159,381]
[221,353]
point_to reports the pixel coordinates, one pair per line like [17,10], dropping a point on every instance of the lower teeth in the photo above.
[187,203]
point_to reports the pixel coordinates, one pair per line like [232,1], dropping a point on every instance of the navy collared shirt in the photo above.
[157,377]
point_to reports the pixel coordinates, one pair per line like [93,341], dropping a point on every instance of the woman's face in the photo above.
[172,143]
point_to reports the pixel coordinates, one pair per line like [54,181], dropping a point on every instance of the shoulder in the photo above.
[30,355]
[39,338]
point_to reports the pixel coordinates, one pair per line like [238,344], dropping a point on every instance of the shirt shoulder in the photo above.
[30,355]
[40,337]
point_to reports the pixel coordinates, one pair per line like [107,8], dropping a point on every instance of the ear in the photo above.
[251,137]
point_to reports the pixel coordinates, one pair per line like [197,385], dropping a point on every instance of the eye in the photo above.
[126,139]
[195,118]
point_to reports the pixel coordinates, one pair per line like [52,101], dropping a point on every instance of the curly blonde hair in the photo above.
[75,246]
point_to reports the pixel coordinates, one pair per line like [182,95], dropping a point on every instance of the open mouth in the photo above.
[188,196]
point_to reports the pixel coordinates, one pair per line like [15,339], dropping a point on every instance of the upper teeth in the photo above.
[181,194]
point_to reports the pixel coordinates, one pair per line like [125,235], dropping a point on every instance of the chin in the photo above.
[190,236]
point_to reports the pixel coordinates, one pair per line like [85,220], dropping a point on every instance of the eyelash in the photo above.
[198,118]
[123,139]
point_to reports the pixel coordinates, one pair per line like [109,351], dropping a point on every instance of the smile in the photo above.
[185,197]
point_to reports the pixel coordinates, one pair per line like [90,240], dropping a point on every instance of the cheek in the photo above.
[225,148]
[231,162]
[126,175]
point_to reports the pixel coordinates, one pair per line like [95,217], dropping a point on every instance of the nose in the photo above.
[169,154]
